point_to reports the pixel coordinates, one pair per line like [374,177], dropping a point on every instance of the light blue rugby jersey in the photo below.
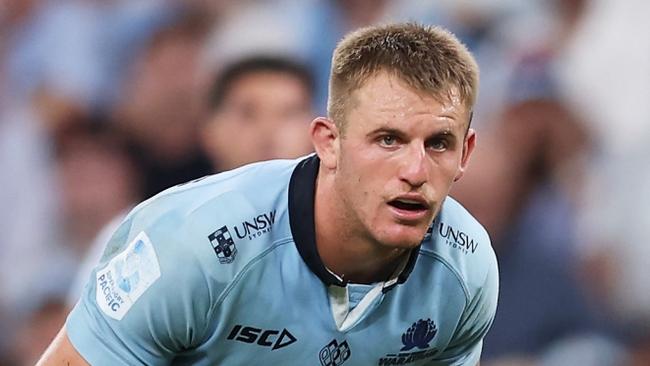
[225,271]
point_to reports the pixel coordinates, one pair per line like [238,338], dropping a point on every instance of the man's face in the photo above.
[396,161]
[265,115]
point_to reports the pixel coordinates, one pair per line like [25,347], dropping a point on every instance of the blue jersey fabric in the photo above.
[224,271]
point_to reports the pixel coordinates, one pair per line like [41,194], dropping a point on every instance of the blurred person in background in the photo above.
[547,314]
[98,177]
[265,102]
[160,107]
[95,179]
[605,74]
[74,52]
[60,66]
[59,61]
[32,245]
[531,221]
[531,212]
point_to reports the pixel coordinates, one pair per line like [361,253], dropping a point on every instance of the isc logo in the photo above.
[267,338]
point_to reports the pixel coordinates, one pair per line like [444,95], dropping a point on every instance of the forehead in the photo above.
[386,99]
[269,81]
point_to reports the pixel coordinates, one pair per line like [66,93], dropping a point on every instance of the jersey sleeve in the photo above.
[467,342]
[148,299]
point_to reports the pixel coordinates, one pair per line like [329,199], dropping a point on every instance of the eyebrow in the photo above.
[445,132]
[388,130]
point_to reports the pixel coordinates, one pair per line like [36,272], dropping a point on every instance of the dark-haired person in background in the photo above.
[258,111]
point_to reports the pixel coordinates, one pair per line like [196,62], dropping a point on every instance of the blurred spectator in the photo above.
[32,59]
[606,74]
[32,234]
[54,60]
[98,179]
[263,102]
[159,109]
[66,184]
[58,61]
[530,220]
[98,38]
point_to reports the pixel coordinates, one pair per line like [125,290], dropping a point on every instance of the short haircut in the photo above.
[257,64]
[429,59]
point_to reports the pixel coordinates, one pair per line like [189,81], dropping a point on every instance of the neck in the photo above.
[343,246]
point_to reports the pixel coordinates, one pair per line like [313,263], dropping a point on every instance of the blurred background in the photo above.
[104,103]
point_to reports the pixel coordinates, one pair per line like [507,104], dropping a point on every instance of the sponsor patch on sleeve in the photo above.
[126,277]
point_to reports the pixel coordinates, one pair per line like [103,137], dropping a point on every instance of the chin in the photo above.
[401,237]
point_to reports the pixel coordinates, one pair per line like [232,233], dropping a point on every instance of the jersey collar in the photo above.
[302,189]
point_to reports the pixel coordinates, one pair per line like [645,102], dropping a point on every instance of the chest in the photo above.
[285,315]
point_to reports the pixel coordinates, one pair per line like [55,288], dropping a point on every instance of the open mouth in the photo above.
[408,205]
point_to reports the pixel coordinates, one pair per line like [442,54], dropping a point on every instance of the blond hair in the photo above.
[429,59]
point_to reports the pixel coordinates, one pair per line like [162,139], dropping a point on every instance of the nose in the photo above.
[414,166]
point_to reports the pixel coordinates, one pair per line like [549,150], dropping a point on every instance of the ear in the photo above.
[325,137]
[468,148]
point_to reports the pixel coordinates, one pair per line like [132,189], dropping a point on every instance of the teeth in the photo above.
[409,201]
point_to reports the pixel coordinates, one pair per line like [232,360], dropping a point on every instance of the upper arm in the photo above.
[466,344]
[61,352]
[149,298]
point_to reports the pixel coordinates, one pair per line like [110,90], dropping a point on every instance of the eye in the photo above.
[438,144]
[388,140]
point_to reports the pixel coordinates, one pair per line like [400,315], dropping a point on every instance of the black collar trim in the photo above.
[302,190]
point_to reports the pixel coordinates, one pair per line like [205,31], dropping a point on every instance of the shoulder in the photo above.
[461,244]
[236,192]
[172,260]
[458,240]
[253,182]
[212,226]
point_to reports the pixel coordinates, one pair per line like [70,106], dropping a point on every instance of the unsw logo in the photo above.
[275,339]
[258,225]
[222,240]
[455,238]
[419,334]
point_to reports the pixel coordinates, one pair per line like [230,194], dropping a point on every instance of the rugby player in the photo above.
[354,255]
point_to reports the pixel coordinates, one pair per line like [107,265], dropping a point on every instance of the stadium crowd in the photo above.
[104,103]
